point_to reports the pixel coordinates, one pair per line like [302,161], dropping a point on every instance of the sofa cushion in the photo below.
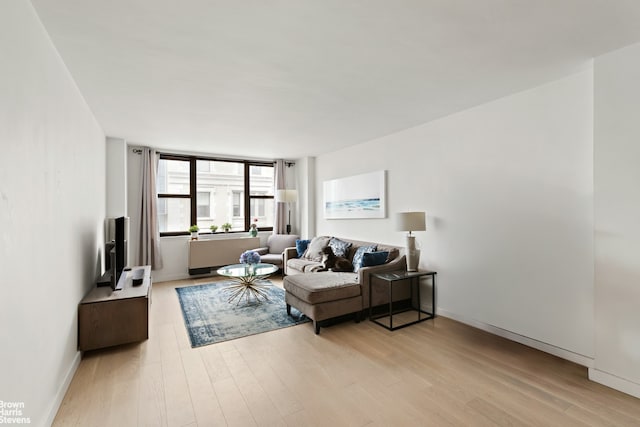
[374,258]
[322,287]
[393,252]
[275,259]
[339,247]
[304,265]
[316,248]
[277,243]
[301,246]
[357,257]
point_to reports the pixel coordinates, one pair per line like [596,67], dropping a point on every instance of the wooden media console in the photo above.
[107,317]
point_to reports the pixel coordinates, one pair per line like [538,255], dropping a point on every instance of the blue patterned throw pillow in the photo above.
[301,246]
[340,247]
[374,258]
[357,257]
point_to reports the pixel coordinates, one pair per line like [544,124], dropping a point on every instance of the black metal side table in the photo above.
[414,278]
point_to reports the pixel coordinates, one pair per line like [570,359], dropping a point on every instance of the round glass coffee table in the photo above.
[249,281]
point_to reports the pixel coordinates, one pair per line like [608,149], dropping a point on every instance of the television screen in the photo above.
[119,251]
[115,251]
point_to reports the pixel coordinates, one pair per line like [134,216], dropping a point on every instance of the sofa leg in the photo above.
[288,309]
[357,317]
[316,326]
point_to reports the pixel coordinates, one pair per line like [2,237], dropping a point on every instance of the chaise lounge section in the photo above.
[323,295]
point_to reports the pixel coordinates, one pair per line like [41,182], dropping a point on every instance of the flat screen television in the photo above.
[115,251]
[118,254]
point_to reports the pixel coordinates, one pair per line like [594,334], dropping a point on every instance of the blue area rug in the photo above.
[209,318]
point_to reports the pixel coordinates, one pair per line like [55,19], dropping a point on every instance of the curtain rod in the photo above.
[139,151]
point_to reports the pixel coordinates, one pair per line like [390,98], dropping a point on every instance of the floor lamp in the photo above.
[411,221]
[288,197]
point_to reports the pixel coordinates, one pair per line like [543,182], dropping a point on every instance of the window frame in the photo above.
[193,193]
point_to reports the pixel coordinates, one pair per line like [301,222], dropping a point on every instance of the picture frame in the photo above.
[359,196]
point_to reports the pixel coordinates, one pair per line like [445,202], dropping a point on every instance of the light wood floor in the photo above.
[436,373]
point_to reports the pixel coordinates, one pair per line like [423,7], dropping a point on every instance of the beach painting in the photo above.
[358,196]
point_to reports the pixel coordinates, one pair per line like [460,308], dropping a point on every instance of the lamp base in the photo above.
[289,222]
[413,254]
[413,259]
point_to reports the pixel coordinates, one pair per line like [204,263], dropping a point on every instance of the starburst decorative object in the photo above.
[248,280]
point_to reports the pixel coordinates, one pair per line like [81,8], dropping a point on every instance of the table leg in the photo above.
[433,295]
[391,304]
[417,279]
[247,289]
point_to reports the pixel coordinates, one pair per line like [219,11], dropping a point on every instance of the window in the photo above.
[207,191]
[257,207]
[237,204]
[204,204]
[261,191]
[173,184]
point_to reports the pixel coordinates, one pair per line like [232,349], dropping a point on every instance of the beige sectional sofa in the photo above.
[323,295]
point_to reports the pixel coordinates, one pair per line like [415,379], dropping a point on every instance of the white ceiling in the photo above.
[294,78]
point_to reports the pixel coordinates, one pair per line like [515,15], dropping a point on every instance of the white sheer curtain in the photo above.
[149,249]
[280,223]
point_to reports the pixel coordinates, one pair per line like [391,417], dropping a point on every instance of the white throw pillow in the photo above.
[315,248]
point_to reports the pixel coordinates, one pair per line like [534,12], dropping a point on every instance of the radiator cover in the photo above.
[207,254]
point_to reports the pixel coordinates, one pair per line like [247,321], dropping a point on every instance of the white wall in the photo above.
[617,224]
[52,205]
[116,177]
[306,208]
[507,187]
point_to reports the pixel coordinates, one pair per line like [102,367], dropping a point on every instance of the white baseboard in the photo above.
[62,390]
[614,382]
[530,342]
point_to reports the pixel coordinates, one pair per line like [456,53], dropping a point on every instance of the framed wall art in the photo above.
[358,196]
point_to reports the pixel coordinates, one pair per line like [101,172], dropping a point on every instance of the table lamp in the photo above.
[411,221]
[288,197]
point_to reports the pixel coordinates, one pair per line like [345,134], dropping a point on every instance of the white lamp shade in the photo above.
[411,221]
[286,196]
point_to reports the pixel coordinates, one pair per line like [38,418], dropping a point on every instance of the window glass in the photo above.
[174,214]
[173,177]
[203,166]
[257,207]
[237,203]
[261,180]
[263,211]
[221,180]
[204,204]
